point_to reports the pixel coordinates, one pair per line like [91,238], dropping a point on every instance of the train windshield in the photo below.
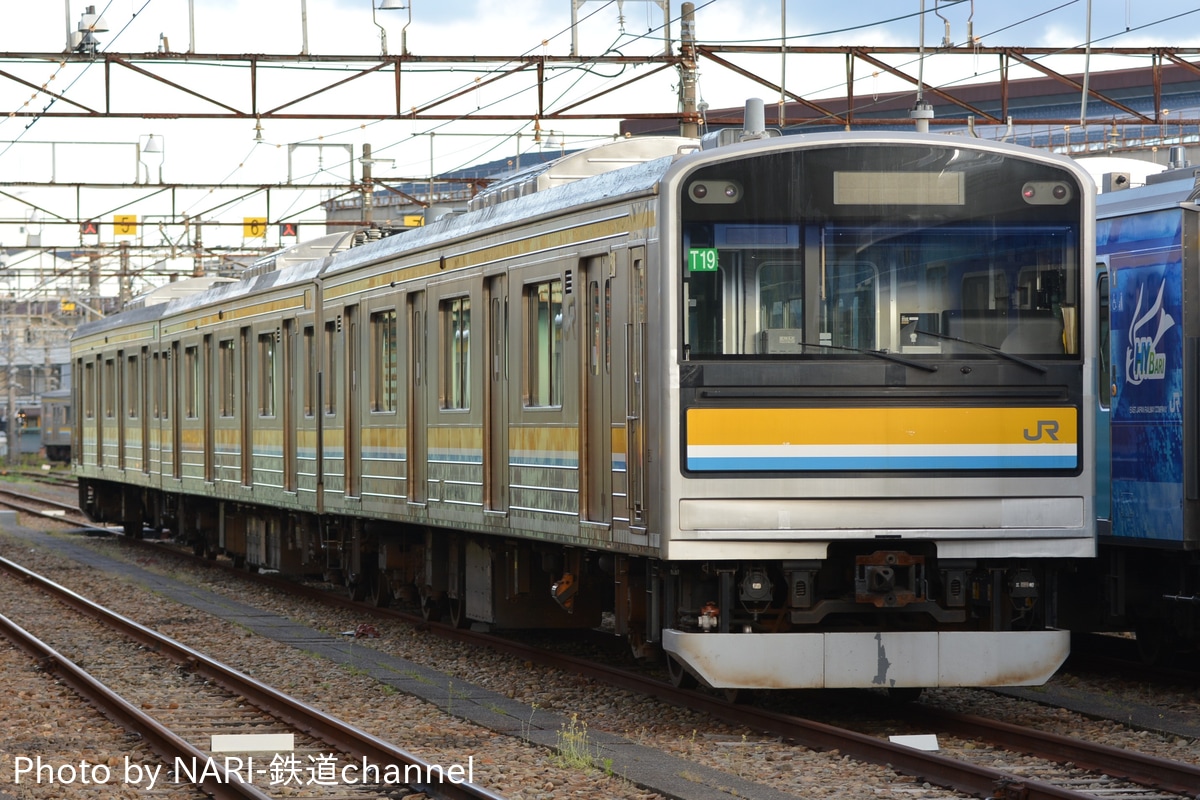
[915,250]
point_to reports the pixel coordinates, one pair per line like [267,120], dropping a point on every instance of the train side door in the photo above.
[176,411]
[417,444]
[143,406]
[101,411]
[245,443]
[597,404]
[118,411]
[290,398]
[496,418]
[1103,403]
[635,400]
[206,408]
[353,437]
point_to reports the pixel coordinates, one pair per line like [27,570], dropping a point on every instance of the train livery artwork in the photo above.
[803,411]
[1147,576]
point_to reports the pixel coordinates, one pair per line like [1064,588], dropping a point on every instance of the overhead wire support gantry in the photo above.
[193,101]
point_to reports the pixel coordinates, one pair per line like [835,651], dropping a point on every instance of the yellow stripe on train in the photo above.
[882,438]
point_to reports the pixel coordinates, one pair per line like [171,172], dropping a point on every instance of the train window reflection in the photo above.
[870,287]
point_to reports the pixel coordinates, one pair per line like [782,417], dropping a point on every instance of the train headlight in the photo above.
[715,192]
[1046,193]
[756,587]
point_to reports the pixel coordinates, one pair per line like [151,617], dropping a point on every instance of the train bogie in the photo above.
[790,430]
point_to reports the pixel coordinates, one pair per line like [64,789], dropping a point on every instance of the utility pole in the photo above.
[124,282]
[198,254]
[368,192]
[689,124]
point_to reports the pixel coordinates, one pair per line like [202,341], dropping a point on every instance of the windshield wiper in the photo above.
[989,348]
[884,354]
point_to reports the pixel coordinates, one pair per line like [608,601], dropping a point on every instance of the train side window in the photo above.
[191,385]
[310,371]
[456,353]
[226,377]
[543,327]
[266,371]
[1104,357]
[383,361]
[331,330]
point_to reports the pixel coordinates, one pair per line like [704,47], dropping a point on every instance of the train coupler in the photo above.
[564,590]
[889,578]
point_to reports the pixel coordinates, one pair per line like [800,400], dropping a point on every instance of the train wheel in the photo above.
[457,612]
[680,677]
[379,593]
[356,588]
[432,609]
[1153,644]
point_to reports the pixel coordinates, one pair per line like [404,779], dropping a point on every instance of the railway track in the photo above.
[317,755]
[1073,768]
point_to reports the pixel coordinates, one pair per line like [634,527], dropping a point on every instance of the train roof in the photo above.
[640,178]
[619,170]
[1171,190]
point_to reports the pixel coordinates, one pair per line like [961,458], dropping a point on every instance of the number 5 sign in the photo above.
[125,225]
[254,227]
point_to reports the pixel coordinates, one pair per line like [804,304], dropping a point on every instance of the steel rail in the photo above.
[293,711]
[940,770]
[937,769]
[1139,768]
[161,740]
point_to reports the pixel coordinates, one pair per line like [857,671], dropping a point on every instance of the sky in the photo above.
[35,151]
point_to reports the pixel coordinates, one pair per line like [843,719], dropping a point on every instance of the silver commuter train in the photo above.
[809,411]
[57,425]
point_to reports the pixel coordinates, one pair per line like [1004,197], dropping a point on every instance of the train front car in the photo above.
[875,410]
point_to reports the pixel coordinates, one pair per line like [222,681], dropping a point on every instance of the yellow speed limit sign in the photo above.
[125,224]
[254,227]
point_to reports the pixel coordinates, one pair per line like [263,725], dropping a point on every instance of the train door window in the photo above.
[266,372]
[608,326]
[157,386]
[110,388]
[89,391]
[331,360]
[594,327]
[191,382]
[133,389]
[1104,357]
[383,361]
[164,385]
[226,376]
[456,353]
[543,327]
[310,371]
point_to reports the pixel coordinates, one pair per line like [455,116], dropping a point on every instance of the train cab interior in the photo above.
[911,295]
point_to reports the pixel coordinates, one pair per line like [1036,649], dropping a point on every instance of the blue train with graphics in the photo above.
[1147,576]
